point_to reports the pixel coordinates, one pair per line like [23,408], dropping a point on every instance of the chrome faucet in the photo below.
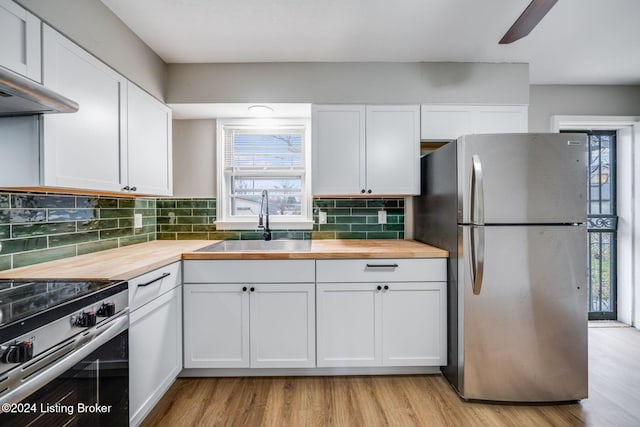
[265,225]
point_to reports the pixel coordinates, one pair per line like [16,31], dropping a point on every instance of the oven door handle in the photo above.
[47,375]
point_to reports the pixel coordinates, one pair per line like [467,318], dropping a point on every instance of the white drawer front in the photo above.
[382,270]
[149,286]
[249,271]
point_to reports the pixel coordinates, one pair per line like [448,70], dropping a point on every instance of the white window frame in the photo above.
[224,219]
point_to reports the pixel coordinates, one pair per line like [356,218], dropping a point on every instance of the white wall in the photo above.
[572,100]
[93,26]
[194,158]
[401,83]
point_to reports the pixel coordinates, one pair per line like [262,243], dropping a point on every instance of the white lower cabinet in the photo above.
[257,325]
[249,324]
[381,322]
[155,339]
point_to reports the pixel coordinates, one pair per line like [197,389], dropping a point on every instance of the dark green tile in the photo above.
[101,245]
[149,220]
[36,257]
[351,235]
[400,236]
[132,240]
[393,227]
[193,220]
[175,228]
[116,232]
[31,201]
[193,236]
[334,227]
[17,216]
[338,212]
[351,203]
[5,232]
[73,238]
[174,212]
[5,262]
[96,202]
[126,203]
[382,235]
[212,203]
[165,203]
[145,212]
[145,229]
[125,222]
[323,235]
[364,211]
[4,200]
[26,230]
[395,219]
[166,236]
[115,213]
[204,227]
[291,235]
[204,212]
[251,235]
[4,216]
[56,215]
[224,235]
[193,204]
[142,204]
[350,219]
[23,245]
[382,203]
[97,224]
[324,203]
[393,211]
[366,227]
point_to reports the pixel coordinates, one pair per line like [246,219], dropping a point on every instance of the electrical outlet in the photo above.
[322,217]
[382,217]
[137,221]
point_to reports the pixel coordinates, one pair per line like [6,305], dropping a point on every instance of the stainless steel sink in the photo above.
[259,246]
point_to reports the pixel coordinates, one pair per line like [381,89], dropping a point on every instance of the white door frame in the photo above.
[628,203]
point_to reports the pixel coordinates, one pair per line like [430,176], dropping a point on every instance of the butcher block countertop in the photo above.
[131,261]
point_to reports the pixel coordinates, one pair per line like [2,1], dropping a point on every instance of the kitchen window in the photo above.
[256,155]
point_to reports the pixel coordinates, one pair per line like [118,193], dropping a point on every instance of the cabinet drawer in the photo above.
[382,270]
[149,286]
[250,271]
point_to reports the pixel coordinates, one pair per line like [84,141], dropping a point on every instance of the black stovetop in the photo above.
[25,299]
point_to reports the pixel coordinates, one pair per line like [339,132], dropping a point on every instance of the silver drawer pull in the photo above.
[154,280]
[382,265]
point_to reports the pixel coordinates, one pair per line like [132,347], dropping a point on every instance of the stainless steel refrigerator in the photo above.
[511,210]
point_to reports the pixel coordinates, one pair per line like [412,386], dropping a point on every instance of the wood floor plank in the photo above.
[405,400]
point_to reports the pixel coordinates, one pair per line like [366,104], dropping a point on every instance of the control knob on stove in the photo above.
[85,319]
[107,309]
[18,352]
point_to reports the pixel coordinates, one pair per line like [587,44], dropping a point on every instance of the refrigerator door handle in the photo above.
[477,204]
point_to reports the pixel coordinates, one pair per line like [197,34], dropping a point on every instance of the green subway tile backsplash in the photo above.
[36,227]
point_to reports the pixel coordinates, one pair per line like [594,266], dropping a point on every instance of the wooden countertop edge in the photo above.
[131,261]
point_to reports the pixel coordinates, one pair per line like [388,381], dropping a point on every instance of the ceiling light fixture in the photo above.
[260,109]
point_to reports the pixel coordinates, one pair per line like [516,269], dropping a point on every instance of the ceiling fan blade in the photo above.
[531,16]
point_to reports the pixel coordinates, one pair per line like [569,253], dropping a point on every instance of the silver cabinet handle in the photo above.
[154,280]
[382,265]
[477,205]
[52,372]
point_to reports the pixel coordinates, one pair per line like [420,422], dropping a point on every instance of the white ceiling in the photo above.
[578,42]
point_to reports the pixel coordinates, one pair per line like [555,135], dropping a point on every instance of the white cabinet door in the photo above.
[84,149]
[349,329]
[155,352]
[149,143]
[393,149]
[500,119]
[414,324]
[444,122]
[338,144]
[216,326]
[20,46]
[283,325]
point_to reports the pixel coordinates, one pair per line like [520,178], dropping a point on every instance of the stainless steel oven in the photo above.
[64,353]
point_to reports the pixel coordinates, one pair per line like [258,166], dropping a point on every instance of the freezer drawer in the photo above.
[523,337]
[525,178]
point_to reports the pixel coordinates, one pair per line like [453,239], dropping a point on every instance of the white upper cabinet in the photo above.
[149,144]
[83,149]
[360,150]
[20,48]
[446,122]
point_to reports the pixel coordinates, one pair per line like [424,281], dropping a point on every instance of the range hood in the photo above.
[20,96]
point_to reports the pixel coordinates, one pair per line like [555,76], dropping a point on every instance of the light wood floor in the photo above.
[421,400]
